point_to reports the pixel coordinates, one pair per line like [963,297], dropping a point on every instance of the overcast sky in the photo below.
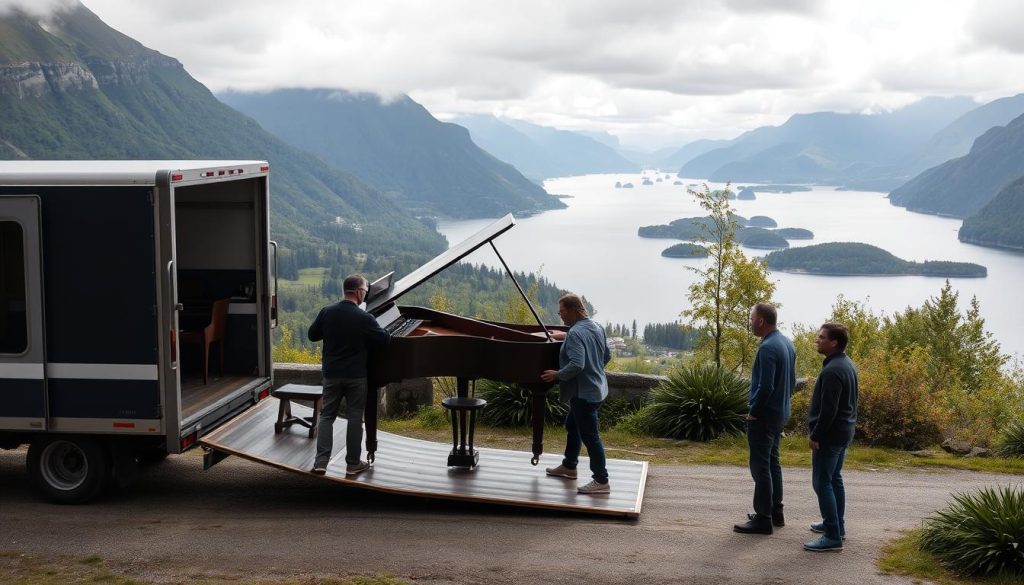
[652,72]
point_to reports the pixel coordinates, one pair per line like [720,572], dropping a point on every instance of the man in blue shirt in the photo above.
[772,380]
[349,334]
[583,384]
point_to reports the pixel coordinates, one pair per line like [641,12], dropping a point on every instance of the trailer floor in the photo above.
[418,468]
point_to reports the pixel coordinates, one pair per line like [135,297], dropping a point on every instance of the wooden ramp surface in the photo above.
[416,467]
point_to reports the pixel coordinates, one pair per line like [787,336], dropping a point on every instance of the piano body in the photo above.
[429,343]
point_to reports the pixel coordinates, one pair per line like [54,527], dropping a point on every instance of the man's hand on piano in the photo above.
[558,335]
[549,375]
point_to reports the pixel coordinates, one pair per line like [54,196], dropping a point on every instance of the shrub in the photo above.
[510,404]
[801,407]
[697,403]
[979,534]
[432,417]
[614,411]
[895,406]
[1011,442]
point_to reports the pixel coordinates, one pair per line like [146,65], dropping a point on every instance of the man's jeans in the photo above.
[581,424]
[353,390]
[827,480]
[763,437]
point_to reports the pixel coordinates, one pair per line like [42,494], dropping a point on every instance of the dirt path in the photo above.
[241,519]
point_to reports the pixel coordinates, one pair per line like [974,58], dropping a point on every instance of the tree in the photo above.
[727,288]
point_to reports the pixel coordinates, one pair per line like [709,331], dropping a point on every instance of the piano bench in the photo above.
[461,407]
[285,394]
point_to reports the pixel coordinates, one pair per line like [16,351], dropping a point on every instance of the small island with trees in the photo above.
[856,259]
[693,228]
[685,250]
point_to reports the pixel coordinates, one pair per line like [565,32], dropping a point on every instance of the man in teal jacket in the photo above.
[583,384]
[772,381]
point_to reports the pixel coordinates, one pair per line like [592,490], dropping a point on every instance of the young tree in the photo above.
[721,298]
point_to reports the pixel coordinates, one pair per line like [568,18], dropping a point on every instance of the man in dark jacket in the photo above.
[831,422]
[349,334]
[772,380]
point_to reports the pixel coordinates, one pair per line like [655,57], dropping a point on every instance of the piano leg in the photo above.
[539,400]
[370,418]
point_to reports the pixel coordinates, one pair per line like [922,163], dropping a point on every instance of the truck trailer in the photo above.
[137,300]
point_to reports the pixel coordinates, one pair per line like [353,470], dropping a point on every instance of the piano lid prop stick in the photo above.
[525,298]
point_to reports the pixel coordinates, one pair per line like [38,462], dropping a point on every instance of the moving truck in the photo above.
[137,300]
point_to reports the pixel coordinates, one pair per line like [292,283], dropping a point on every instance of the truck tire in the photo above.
[69,470]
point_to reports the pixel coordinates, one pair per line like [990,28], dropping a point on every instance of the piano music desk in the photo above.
[407,466]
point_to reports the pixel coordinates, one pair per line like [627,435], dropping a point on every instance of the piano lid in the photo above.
[442,261]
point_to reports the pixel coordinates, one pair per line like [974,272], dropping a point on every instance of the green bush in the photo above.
[509,405]
[614,411]
[1011,441]
[979,534]
[432,417]
[698,403]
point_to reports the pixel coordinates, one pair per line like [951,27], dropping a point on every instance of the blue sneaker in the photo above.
[824,544]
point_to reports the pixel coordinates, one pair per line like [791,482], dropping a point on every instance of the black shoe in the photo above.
[778,520]
[757,525]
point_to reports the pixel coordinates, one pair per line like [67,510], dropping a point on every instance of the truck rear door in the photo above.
[22,352]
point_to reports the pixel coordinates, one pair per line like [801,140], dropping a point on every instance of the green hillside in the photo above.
[80,90]
[427,166]
[964,185]
[1000,223]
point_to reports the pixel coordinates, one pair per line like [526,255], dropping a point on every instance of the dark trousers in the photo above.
[827,480]
[353,390]
[763,437]
[582,429]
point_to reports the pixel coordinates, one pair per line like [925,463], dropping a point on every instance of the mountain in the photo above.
[680,156]
[71,87]
[540,152]
[998,224]
[828,147]
[427,166]
[955,140]
[964,185]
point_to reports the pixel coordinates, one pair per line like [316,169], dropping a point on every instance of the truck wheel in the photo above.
[69,470]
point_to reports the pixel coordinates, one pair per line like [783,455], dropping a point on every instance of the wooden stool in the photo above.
[285,394]
[463,455]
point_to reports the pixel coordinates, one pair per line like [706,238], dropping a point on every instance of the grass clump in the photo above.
[1011,441]
[698,403]
[510,405]
[980,533]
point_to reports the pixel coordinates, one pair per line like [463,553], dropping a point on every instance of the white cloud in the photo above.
[35,7]
[654,71]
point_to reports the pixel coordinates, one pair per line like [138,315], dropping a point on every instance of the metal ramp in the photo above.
[418,468]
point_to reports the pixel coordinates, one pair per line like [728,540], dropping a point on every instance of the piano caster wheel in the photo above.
[535,460]
[370,457]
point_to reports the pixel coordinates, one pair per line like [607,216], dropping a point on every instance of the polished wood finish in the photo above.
[468,349]
[197,396]
[417,468]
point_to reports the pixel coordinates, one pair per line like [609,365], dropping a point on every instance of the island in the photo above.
[685,250]
[858,259]
[647,181]
[627,185]
[747,195]
[795,233]
[762,221]
[618,184]
[677,183]
[778,188]
[760,238]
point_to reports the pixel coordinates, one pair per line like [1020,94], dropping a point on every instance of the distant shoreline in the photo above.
[878,275]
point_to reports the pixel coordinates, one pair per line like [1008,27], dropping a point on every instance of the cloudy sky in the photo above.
[652,72]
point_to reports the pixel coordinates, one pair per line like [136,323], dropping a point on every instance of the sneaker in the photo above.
[594,487]
[561,471]
[819,528]
[757,524]
[778,520]
[319,469]
[356,468]
[824,544]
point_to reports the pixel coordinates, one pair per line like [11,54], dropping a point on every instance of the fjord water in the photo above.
[592,248]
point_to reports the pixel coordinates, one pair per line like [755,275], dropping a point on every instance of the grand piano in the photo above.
[429,343]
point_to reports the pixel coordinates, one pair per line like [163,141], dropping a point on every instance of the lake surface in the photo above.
[592,248]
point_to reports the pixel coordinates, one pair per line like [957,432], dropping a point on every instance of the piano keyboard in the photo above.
[401,327]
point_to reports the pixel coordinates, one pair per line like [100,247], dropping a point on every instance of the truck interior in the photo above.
[218,255]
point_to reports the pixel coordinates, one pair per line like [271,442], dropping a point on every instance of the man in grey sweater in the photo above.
[831,422]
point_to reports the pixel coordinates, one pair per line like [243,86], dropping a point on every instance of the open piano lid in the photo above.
[442,261]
